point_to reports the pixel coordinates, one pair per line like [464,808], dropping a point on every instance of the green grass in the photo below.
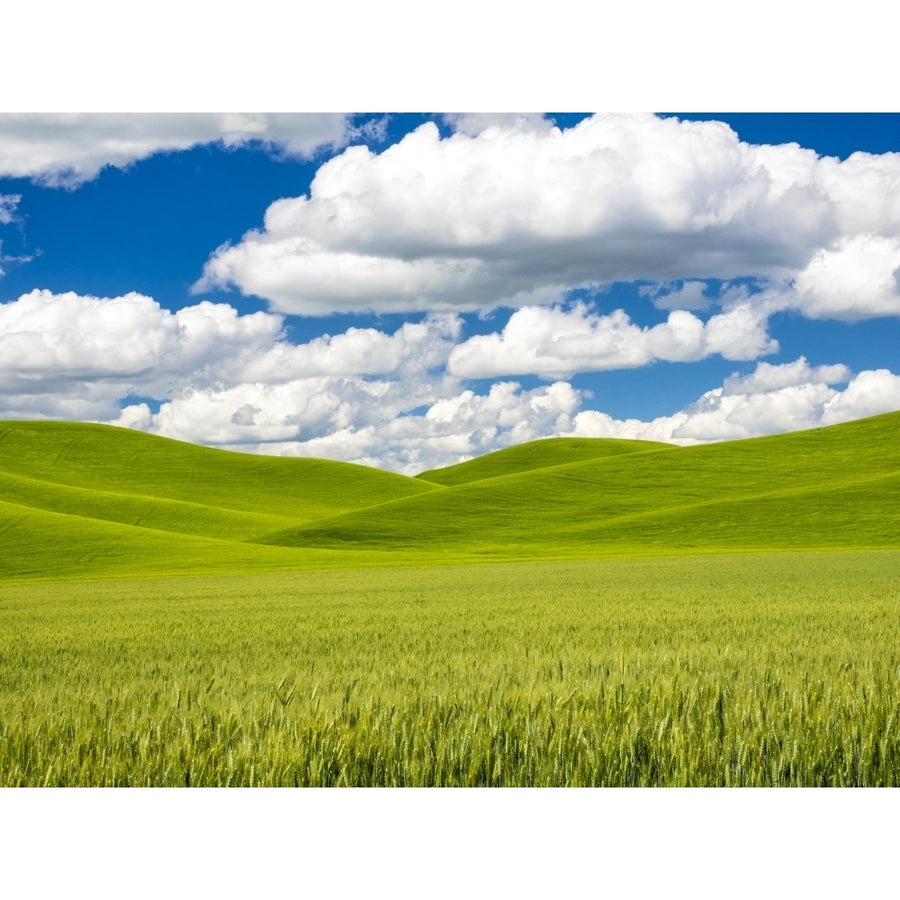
[641,614]
[834,487]
[534,455]
[92,500]
[772,669]
[89,500]
[120,462]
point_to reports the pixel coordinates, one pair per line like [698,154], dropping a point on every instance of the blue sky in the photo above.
[408,290]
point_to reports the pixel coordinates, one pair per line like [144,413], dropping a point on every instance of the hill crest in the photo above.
[535,455]
[89,500]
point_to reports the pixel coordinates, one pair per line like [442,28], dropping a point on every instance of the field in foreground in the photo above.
[744,669]
[640,614]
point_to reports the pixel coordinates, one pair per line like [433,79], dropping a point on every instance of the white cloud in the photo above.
[220,378]
[58,347]
[554,342]
[767,377]
[294,411]
[8,204]
[374,422]
[868,394]
[59,341]
[48,338]
[408,425]
[390,400]
[772,399]
[857,278]
[515,211]
[863,190]
[416,346]
[67,149]
[722,416]
[233,380]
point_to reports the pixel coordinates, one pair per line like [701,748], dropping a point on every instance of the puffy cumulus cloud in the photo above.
[257,413]
[720,416]
[740,330]
[596,423]
[767,377]
[230,380]
[51,342]
[48,337]
[864,191]
[406,426]
[772,399]
[57,350]
[376,423]
[555,342]
[395,400]
[414,346]
[514,211]
[857,278]
[868,394]
[67,149]
[302,277]
[506,406]
[471,424]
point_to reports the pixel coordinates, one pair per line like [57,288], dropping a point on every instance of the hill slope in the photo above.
[123,461]
[88,500]
[535,455]
[80,498]
[829,487]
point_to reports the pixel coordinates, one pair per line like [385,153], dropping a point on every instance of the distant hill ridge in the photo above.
[90,500]
[535,455]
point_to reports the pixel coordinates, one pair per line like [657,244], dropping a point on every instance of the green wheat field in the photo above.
[569,612]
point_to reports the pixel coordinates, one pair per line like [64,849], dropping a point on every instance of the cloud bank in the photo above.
[516,212]
[772,399]
[68,149]
[556,343]
[393,400]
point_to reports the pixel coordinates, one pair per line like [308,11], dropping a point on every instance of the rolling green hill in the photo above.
[78,499]
[92,499]
[831,487]
[534,455]
[126,462]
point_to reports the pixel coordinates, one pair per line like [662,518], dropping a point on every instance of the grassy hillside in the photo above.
[831,487]
[123,461]
[535,455]
[94,500]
